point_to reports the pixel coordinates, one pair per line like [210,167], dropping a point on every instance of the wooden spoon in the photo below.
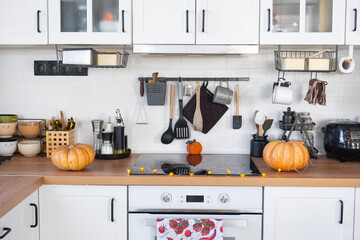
[198,120]
[260,119]
[154,77]
[62,121]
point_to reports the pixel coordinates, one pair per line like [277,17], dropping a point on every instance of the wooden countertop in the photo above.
[14,189]
[20,176]
[322,172]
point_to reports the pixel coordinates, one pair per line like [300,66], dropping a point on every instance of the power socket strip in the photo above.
[53,68]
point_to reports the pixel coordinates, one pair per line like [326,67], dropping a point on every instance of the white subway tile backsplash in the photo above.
[104,90]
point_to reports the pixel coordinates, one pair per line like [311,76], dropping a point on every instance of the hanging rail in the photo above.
[192,79]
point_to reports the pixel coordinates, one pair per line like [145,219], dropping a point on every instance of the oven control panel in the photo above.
[222,198]
[194,197]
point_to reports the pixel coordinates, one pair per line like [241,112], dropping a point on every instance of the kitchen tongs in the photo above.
[181,128]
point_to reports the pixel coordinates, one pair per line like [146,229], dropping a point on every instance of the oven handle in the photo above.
[151,222]
[195,211]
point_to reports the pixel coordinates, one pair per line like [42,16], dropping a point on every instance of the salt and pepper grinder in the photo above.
[119,134]
[107,135]
[97,136]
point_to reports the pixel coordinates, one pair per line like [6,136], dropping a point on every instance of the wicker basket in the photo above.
[55,139]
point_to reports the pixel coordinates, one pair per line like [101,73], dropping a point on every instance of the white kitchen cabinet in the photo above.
[23,22]
[74,212]
[227,22]
[90,22]
[22,222]
[195,22]
[299,213]
[357,215]
[302,22]
[164,22]
[352,22]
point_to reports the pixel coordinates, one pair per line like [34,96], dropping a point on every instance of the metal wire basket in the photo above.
[306,61]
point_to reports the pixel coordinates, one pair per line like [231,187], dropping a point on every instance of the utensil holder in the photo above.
[55,139]
[155,93]
[257,145]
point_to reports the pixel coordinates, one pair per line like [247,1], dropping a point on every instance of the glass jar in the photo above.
[306,119]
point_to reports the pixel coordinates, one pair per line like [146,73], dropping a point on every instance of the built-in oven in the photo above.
[238,208]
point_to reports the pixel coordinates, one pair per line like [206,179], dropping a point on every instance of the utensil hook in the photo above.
[311,75]
[281,76]
[226,81]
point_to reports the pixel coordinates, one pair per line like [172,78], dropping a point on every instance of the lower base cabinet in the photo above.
[75,212]
[22,222]
[357,215]
[299,213]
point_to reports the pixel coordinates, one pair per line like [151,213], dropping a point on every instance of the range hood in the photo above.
[196,49]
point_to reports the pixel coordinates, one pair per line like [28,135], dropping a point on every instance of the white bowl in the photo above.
[29,148]
[7,146]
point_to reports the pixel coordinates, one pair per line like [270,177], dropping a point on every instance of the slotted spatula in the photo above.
[181,128]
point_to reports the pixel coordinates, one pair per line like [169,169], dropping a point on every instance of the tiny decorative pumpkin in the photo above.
[73,157]
[194,159]
[286,156]
[193,147]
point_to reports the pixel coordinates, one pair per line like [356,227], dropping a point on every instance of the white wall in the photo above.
[104,90]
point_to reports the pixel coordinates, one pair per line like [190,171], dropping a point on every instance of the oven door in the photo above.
[235,226]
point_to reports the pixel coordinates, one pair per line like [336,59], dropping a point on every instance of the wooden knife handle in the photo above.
[171,101]
[142,88]
[237,99]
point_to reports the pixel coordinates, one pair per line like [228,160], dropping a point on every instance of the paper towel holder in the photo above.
[347,64]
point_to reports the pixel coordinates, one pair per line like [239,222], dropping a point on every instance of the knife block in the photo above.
[55,139]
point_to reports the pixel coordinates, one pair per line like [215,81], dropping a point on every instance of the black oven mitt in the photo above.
[211,112]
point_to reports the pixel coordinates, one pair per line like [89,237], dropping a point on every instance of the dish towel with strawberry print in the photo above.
[189,229]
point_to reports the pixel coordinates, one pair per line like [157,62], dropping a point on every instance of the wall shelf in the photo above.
[306,61]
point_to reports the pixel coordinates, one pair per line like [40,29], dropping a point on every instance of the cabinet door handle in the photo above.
[7,230]
[112,209]
[36,215]
[341,211]
[269,19]
[187,21]
[355,19]
[203,20]
[38,21]
[123,20]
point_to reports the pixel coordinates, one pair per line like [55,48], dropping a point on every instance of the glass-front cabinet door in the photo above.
[90,22]
[302,22]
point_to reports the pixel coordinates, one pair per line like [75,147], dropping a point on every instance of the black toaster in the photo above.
[342,140]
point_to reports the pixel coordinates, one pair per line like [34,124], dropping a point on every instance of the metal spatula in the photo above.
[181,128]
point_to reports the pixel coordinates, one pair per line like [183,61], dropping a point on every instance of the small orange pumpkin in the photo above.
[193,147]
[286,156]
[73,157]
[194,159]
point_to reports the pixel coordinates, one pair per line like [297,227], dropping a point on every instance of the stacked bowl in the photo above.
[8,124]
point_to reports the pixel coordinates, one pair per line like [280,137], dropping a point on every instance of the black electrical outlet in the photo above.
[53,68]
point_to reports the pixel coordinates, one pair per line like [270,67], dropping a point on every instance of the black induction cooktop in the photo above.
[181,164]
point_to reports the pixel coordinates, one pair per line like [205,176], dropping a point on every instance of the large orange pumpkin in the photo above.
[73,157]
[286,156]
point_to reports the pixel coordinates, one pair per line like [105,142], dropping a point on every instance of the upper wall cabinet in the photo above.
[23,22]
[164,22]
[302,21]
[90,22]
[195,22]
[352,22]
